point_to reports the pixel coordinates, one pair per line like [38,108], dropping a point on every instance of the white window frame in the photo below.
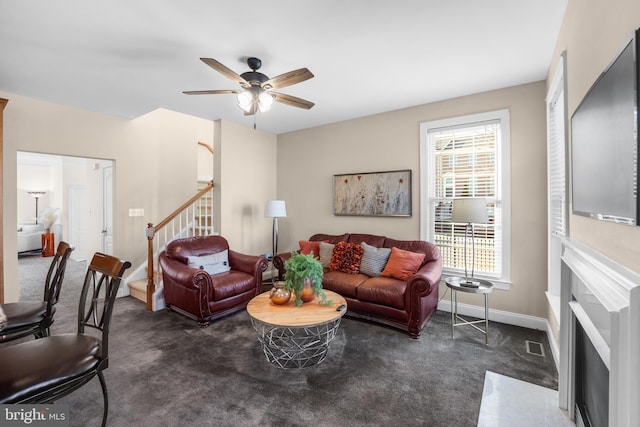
[503,192]
[557,182]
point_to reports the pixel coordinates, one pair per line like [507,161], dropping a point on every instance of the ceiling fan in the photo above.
[257,89]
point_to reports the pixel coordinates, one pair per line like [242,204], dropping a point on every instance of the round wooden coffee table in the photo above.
[295,337]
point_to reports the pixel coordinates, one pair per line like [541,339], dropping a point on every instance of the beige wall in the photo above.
[308,159]
[593,34]
[245,177]
[155,163]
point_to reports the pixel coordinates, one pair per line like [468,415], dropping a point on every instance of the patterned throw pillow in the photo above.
[373,259]
[402,264]
[326,251]
[346,258]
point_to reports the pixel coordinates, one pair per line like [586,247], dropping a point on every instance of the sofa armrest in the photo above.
[180,274]
[279,262]
[426,279]
[250,264]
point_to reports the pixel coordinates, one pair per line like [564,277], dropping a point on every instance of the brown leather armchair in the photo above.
[204,297]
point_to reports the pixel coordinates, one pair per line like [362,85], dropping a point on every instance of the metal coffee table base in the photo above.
[291,347]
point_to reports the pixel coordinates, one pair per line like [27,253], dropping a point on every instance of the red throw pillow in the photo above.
[402,264]
[307,248]
[346,258]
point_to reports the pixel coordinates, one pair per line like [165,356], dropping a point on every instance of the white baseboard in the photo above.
[555,349]
[123,290]
[507,317]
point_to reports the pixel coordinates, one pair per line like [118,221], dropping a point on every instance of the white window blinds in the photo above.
[464,163]
[556,163]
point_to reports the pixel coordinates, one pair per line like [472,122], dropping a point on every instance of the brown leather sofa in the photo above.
[406,305]
[202,296]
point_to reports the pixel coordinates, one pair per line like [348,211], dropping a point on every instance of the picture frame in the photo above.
[385,193]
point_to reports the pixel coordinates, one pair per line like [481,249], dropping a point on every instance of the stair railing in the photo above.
[186,221]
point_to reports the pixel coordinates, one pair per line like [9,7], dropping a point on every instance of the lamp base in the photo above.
[469,283]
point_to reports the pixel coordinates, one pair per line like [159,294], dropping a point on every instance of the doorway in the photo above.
[78,189]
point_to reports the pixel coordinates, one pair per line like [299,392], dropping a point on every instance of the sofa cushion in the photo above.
[181,249]
[346,257]
[373,259]
[402,264]
[429,249]
[307,247]
[326,251]
[343,283]
[212,263]
[370,239]
[31,228]
[330,238]
[384,291]
[230,284]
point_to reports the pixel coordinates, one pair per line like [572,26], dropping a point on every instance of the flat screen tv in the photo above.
[604,143]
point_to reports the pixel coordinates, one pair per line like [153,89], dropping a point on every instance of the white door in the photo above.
[107,210]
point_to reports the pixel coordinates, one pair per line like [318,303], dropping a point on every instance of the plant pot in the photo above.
[307,293]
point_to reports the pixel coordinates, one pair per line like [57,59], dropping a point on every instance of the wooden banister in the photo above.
[151,232]
[183,207]
[207,146]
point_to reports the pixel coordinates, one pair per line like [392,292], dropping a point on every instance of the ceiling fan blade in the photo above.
[292,100]
[288,79]
[209,92]
[225,71]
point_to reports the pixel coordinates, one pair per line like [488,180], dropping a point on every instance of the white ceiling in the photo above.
[126,58]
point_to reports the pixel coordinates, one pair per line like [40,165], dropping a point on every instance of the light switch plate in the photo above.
[136,212]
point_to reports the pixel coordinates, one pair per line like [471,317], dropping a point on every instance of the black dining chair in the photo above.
[35,317]
[44,370]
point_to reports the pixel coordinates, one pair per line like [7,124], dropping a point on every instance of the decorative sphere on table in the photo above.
[279,295]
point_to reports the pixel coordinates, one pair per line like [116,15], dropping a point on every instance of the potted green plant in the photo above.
[304,278]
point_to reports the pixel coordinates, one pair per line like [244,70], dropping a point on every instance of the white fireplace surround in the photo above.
[605,298]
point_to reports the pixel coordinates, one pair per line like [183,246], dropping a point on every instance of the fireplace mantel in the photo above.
[605,298]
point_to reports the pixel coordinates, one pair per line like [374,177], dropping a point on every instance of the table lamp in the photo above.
[470,211]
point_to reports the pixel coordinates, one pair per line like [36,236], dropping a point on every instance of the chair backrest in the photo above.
[99,294]
[182,249]
[55,275]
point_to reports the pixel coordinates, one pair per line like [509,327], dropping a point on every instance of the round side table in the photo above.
[476,286]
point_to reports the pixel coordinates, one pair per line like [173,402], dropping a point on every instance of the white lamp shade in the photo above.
[470,210]
[275,209]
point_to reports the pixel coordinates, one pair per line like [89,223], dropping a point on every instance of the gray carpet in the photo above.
[32,270]
[167,371]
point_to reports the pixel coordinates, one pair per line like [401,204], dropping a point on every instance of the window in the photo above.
[557,194]
[480,146]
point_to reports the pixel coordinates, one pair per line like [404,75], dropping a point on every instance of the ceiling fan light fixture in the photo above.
[245,99]
[265,100]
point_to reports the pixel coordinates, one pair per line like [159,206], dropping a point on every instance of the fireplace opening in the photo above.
[592,383]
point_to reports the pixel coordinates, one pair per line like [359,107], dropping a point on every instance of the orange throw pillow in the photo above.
[402,264]
[307,248]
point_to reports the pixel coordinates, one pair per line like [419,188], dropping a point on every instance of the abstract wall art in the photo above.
[373,193]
